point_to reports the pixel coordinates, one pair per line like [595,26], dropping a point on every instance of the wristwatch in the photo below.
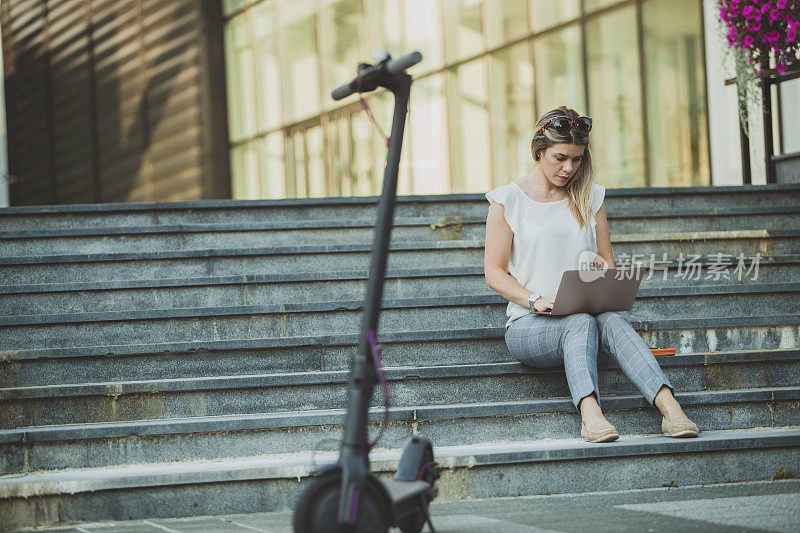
[532,298]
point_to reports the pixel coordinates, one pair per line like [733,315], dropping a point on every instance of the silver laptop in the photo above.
[596,291]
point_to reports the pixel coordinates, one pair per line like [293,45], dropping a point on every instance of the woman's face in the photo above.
[559,162]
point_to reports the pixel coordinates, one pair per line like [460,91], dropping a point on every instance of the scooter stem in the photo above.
[354,452]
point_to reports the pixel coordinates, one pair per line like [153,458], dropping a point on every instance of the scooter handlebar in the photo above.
[393,66]
[343,92]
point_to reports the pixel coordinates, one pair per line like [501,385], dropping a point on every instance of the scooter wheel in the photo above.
[317,509]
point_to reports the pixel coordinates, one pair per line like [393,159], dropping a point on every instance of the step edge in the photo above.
[779,289]
[277,380]
[348,200]
[300,466]
[335,224]
[353,247]
[351,339]
[334,417]
[303,277]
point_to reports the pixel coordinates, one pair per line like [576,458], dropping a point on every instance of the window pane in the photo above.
[428,136]
[273,182]
[614,99]
[344,35]
[298,22]
[469,128]
[423,32]
[790,110]
[463,28]
[240,83]
[592,5]
[506,20]
[512,112]
[339,138]
[267,74]
[229,6]
[546,13]
[297,164]
[674,81]
[244,172]
[316,163]
[558,68]
[361,156]
[386,24]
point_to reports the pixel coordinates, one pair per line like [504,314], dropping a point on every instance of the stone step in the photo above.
[113,401]
[169,264]
[489,469]
[93,240]
[236,211]
[211,291]
[319,318]
[241,235]
[197,358]
[87,445]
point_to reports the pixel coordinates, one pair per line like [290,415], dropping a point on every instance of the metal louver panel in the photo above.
[108,100]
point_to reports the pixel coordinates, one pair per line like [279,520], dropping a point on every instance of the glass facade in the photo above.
[677,131]
[614,96]
[490,68]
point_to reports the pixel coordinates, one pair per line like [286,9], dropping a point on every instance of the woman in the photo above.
[541,225]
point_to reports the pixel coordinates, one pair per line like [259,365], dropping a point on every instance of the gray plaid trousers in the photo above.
[546,341]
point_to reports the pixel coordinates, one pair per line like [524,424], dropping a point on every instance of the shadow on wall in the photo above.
[91,96]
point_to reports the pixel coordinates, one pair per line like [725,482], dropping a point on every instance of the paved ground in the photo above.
[755,506]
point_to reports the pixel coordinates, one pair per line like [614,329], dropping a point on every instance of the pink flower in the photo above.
[774,14]
[781,4]
[765,7]
[781,68]
[747,11]
[748,41]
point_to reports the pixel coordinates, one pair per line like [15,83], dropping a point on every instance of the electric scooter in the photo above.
[346,496]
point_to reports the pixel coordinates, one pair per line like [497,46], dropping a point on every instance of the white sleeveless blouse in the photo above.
[547,241]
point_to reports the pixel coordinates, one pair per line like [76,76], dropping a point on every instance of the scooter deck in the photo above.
[403,490]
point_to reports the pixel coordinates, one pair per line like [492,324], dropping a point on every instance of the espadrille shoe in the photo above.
[683,427]
[603,432]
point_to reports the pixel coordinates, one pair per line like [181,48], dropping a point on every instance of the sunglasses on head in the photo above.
[564,124]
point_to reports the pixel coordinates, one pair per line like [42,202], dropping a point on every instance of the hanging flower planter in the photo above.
[757,32]
[763,28]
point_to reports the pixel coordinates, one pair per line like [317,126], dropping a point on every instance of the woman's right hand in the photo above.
[544,303]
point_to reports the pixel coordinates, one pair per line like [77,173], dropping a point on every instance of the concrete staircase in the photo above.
[177,359]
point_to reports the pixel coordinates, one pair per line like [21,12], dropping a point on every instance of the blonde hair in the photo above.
[580,187]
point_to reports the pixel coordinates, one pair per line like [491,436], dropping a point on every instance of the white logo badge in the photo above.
[591,266]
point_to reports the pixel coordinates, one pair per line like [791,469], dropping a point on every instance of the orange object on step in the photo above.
[663,351]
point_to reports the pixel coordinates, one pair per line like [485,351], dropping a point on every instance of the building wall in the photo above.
[490,68]
[114,100]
